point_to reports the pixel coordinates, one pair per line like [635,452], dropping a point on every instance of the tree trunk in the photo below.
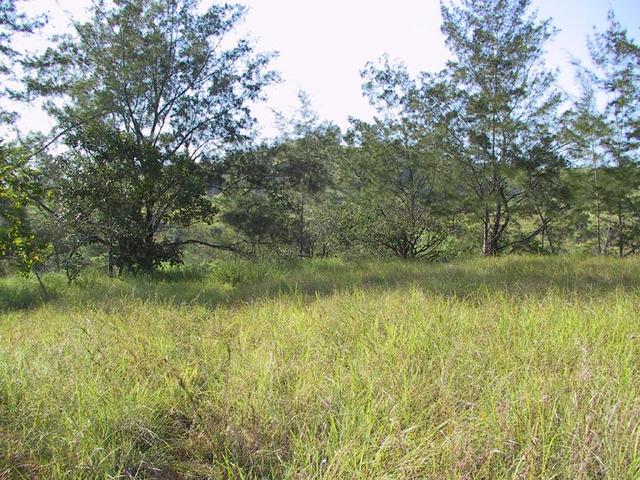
[598,228]
[485,231]
[301,233]
[552,247]
[57,255]
[147,260]
[110,262]
[605,250]
[43,289]
[493,229]
[620,232]
[147,257]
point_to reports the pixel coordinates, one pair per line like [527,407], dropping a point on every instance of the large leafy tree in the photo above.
[497,110]
[145,94]
[19,188]
[18,185]
[122,194]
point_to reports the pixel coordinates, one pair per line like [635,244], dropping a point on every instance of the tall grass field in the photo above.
[507,368]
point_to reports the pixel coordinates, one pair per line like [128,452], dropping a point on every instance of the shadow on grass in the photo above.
[231,283]
[242,282]
[19,293]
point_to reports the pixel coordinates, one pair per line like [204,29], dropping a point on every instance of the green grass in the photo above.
[518,368]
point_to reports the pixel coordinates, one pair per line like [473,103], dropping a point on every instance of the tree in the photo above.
[18,185]
[616,76]
[277,192]
[583,132]
[107,180]
[12,22]
[497,108]
[145,97]
[548,197]
[311,148]
[394,205]
[394,174]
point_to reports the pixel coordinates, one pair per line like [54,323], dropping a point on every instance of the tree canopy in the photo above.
[155,146]
[146,94]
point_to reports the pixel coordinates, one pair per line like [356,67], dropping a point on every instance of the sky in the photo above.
[323,45]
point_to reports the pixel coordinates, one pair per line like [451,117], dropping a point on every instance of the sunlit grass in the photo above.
[506,368]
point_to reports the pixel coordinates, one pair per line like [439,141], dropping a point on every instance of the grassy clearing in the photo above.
[507,368]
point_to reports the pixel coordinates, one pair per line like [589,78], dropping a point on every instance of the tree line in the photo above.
[154,146]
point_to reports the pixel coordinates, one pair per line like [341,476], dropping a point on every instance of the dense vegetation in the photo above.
[377,369]
[209,304]
[154,147]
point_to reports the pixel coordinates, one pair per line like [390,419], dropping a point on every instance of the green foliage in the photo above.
[612,136]
[278,194]
[149,99]
[12,22]
[394,174]
[499,112]
[152,103]
[19,188]
[121,193]
[397,212]
[161,74]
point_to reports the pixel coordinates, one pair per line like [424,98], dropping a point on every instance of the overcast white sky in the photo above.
[324,44]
